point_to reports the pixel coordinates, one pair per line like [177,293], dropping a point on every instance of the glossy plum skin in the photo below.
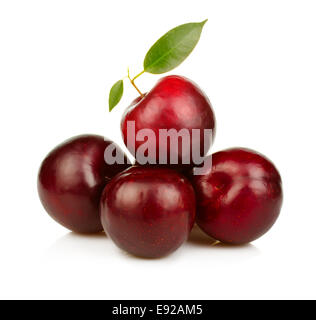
[148,212]
[174,103]
[71,180]
[239,198]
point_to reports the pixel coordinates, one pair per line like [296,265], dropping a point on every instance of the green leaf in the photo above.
[115,94]
[172,48]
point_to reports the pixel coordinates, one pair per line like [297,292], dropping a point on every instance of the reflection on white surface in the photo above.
[74,245]
[221,253]
[99,246]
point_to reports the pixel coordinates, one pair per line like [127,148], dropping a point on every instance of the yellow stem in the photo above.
[133,81]
[138,75]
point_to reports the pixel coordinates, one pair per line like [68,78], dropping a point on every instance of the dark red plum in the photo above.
[239,198]
[175,103]
[147,211]
[71,179]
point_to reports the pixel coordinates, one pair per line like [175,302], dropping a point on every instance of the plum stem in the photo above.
[133,81]
[138,75]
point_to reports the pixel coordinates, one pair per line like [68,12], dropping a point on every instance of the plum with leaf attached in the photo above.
[175,111]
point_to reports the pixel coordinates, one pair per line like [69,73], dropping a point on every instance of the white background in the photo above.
[58,60]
